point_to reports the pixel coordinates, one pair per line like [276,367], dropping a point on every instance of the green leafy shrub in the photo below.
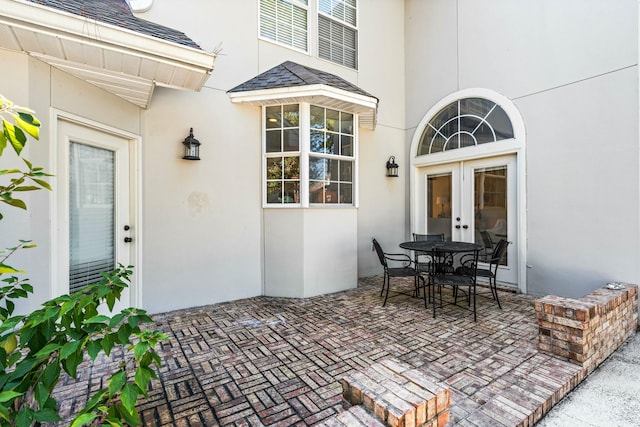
[36,348]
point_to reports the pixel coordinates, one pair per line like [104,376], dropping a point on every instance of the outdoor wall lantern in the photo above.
[191,147]
[392,167]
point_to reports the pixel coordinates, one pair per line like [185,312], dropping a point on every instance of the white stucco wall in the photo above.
[382,209]
[571,69]
[203,224]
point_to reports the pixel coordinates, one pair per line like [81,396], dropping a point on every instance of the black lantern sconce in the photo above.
[392,167]
[191,147]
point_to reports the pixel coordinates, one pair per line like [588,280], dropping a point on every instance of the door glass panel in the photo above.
[91,214]
[439,204]
[490,206]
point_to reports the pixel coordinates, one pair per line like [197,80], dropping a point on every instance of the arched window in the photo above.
[466,122]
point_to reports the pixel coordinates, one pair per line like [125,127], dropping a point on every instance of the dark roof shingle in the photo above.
[289,74]
[118,13]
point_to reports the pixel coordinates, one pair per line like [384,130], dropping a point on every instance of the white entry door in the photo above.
[95,232]
[474,201]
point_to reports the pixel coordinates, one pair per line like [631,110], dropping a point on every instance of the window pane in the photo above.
[291,140]
[317,117]
[333,118]
[350,14]
[291,116]
[331,144]
[346,125]
[501,124]
[346,145]
[291,192]
[291,168]
[346,171]
[333,172]
[274,138]
[476,106]
[273,117]
[274,168]
[346,193]
[317,141]
[317,169]
[484,134]
[438,144]
[274,191]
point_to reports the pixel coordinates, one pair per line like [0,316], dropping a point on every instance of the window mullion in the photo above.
[305,143]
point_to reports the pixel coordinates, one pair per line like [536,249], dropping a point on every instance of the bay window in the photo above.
[324,142]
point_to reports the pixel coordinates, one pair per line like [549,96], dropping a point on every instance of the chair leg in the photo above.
[387,294]
[475,318]
[494,289]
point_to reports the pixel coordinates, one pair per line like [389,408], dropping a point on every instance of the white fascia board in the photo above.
[75,27]
[263,96]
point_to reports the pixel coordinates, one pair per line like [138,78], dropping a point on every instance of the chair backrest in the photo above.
[428,237]
[486,239]
[498,253]
[380,253]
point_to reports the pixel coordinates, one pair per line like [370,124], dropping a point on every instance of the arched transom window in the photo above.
[466,122]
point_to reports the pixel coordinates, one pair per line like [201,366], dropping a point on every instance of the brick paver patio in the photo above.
[277,362]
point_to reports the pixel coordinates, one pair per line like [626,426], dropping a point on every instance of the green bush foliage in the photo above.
[35,349]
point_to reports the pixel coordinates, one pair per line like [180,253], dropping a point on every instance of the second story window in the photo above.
[337,32]
[285,22]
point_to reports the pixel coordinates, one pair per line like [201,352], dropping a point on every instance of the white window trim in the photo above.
[313,32]
[309,26]
[331,18]
[304,153]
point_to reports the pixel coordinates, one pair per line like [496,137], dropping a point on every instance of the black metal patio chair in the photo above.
[423,259]
[399,265]
[462,280]
[493,260]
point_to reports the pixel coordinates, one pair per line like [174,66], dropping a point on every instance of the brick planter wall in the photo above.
[587,330]
[391,393]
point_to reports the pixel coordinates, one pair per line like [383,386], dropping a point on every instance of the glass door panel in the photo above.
[439,204]
[490,199]
[91,214]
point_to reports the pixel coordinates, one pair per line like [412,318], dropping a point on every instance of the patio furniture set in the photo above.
[438,264]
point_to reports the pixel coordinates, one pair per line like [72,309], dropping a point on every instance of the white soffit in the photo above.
[123,62]
[321,95]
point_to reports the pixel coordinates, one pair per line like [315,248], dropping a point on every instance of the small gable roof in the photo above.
[118,13]
[104,44]
[291,82]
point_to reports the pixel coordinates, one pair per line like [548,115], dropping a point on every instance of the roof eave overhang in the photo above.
[321,95]
[124,62]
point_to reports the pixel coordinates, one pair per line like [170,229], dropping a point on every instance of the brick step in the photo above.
[398,395]
[356,416]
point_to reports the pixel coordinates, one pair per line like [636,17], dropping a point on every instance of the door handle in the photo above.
[465,226]
[128,240]
[458,226]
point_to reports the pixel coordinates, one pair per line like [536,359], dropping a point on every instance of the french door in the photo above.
[94,209]
[474,201]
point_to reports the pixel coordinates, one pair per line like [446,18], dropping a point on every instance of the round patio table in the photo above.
[447,246]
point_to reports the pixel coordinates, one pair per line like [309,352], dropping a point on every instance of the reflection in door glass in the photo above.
[490,207]
[439,204]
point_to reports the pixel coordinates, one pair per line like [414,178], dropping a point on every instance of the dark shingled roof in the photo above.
[290,74]
[118,13]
